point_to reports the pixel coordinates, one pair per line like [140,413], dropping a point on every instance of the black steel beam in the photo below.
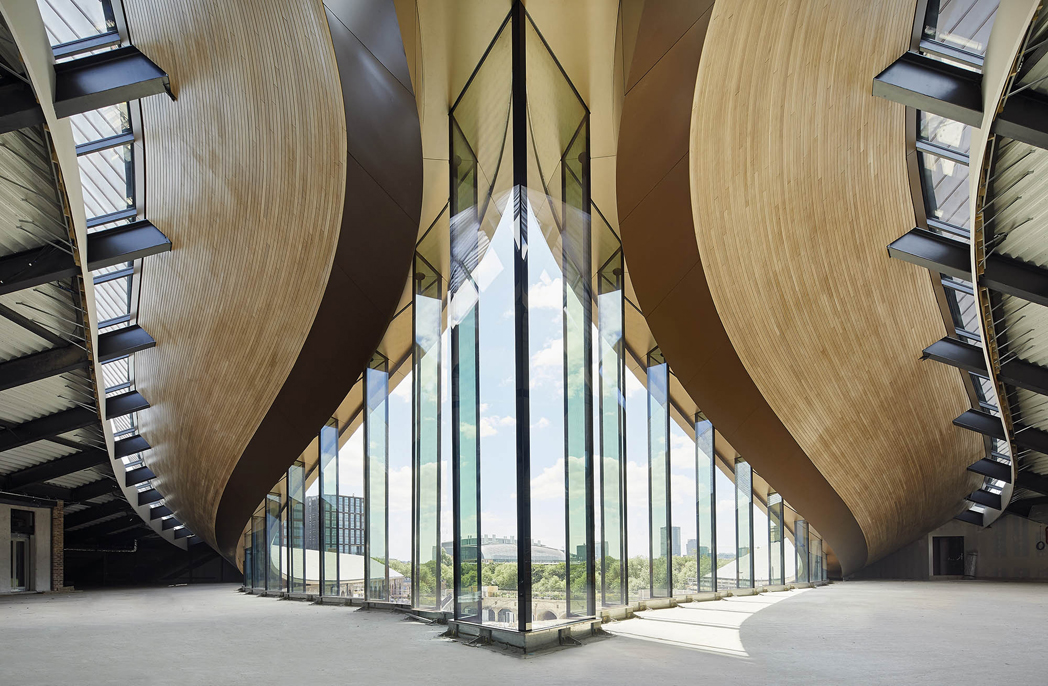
[91,514]
[128,137]
[971,517]
[981,422]
[48,491]
[29,368]
[47,427]
[169,523]
[948,256]
[110,217]
[18,107]
[935,252]
[126,447]
[1032,481]
[1015,277]
[105,528]
[32,327]
[986,498]
[107,78]
[160,511]
[969,357]
[993,469]
[125,404]
[1024,118]
[112,345]
[94,489]
[930,85]
[133,477]
[149,496]
[957,354]
[59,467]
[124,243]
[34,267]
[183,533]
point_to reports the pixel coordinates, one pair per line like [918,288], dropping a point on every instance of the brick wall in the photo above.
[58,547]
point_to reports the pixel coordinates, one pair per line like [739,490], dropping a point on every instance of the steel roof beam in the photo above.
[149,496]
[126,447]
[993,469]
[34,267]
[1024,118]
[930,85]
[112,345]
[935,252]
[1018,373]
[104,486]
[107,78]
[124,243]
[139,475]
[42,365]
[124,404]
[97,512]
[18,107]
[971,517]
[59,467]
[160,511]
[47,427]
[989,425]
[981,497]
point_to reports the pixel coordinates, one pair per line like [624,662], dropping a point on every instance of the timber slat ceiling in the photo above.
[247,178]
[798,182]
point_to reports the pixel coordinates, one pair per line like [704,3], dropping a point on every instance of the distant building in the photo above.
[675,549]
[691,546]
[504,549]
[348,520]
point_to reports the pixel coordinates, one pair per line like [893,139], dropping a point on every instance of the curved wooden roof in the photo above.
[287,235]
[798,183]
[654,199]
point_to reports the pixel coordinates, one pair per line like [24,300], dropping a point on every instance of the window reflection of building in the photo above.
[348,520]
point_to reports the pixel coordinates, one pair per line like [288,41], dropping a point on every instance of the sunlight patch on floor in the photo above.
[711,627]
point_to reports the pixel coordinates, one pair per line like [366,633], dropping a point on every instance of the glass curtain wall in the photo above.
[376,478]
[776,552]
[612,378]
[258,547]
[328,504]
[706,503]
[683,539]
[800,539]
[744,523]
[351,500]
[761,538]
[274,542]
[660,533]
[427,584]
[296,488]
[520,314]
[249,558]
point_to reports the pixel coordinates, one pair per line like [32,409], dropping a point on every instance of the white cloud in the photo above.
[549,485]
[489,426]
[551,356]
[547,294]
[542,423]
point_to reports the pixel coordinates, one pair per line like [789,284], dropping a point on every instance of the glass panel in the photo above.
[760,529]
[329,508]
[249,560]
[800,538]
[258,547]
[962,24]
[70,20]
[427,584]
[727,576]
[274,542]
[108,179]
[705,470]
[658,471]
[744,522]
[775,537]
[311,553]
[944,132]
[296,482]
[945,185]
[351,501]
[612,371]
[398,490]
[376,477]
[683,540]
[638,567]
[95,125]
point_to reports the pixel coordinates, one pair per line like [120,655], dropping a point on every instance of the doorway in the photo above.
[948,555]
[20,562]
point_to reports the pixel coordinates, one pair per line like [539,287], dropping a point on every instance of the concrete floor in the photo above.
[848,633]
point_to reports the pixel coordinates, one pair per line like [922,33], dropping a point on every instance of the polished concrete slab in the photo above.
[947,632]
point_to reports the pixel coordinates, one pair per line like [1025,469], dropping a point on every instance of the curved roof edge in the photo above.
[654,190]
[372,260]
